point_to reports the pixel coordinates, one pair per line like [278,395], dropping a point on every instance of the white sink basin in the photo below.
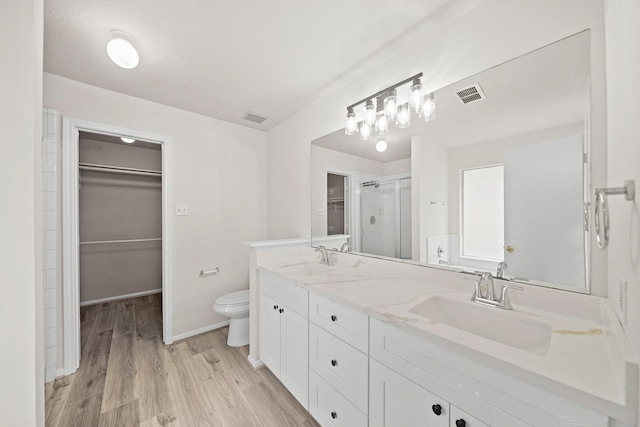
[487,322]
[307,269]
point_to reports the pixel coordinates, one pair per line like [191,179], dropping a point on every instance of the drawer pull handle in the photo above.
[461,423]
[275,307]
[281,310]
[334,415]
[334,362]
[334,317]
[437,409]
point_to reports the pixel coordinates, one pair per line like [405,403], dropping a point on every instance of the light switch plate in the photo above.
[320,212]
[182,210]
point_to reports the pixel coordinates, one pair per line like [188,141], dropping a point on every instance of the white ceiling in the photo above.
[223,58]
[544,89]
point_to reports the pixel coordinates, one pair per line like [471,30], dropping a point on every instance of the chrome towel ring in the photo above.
[602,232]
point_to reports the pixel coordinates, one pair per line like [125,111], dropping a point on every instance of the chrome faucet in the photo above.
[485,293]
[346,247]
[502,266]
[325,259]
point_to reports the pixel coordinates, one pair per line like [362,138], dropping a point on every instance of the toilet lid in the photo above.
[234,298]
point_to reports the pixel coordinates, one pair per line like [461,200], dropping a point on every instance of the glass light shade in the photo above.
[351,125]
[403,120]
[381,145]
[416,95]
[365,131]
[123,53]
[127,140]
[391,104]
[428,110]
[369,113]
[382,124]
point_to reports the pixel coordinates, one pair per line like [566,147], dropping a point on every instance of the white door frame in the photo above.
[70,232]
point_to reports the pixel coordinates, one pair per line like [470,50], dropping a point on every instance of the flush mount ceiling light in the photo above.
[121,51]
[127,140]
[384,107]
[381,145]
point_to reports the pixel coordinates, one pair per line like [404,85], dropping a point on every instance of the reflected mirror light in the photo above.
[381,145]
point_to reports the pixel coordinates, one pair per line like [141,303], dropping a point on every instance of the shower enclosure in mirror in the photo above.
[501,182]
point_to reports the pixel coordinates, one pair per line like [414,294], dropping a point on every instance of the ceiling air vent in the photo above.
[253,117]
[470,94]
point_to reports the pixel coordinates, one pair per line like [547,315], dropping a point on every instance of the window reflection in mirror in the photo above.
[482,213]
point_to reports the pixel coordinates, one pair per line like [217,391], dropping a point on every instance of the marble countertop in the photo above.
[586,360]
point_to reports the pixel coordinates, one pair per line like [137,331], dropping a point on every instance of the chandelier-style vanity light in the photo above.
[383,108]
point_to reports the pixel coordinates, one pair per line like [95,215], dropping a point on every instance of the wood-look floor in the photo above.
[128,377]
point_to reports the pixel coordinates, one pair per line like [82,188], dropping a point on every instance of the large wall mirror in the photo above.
[500,184]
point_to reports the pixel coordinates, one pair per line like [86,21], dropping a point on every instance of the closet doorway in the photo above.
[116,222]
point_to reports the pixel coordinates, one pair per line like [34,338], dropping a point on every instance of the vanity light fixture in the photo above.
[403,120]
[381,145]
[365,131]
[383,108]
[428,110]
[352,123]
[416,95]
[382,124]
[121,51]
[127,140]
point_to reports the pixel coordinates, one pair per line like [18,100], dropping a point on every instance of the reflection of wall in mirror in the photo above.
[361,170]
[437,178]
[325,160]
[430,183]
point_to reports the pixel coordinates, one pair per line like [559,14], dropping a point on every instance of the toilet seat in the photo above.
[234,299]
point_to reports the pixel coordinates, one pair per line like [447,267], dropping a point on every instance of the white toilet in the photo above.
[235,306]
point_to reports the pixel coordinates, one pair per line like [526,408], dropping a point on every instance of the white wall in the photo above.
[219,170]
[22,377]
[623,111]
[490,33]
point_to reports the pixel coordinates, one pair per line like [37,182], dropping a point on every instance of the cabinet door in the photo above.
[395,401]
[294,374]
[270,333]
[459,418]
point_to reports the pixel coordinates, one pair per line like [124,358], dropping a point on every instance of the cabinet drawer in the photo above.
[341,365]
[328,406]
[462,419]
[348,324]
[285,292]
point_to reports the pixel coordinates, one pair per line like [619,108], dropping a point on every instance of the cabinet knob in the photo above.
[281,310]
[275,307]
[334,317]
[437,409]
[334,415]
[334,362]
[461,423]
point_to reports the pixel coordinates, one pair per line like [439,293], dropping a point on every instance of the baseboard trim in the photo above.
[119,297]
[255,364]
[200,331]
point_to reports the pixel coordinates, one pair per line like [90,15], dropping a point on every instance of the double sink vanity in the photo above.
[371,342]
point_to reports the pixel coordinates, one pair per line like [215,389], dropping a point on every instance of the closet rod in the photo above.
[116,169]
[101,242]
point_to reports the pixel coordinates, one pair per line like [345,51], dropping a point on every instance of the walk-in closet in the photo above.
[120,218]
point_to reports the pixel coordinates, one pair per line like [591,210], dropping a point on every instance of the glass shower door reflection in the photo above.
[385,218]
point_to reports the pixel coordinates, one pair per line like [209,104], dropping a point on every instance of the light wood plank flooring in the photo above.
[128,377]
